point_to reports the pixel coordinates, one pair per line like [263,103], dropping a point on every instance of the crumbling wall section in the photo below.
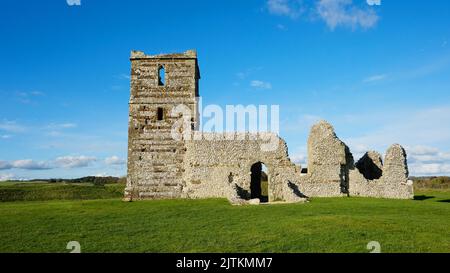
[332,171]
[393,183]
[213,164]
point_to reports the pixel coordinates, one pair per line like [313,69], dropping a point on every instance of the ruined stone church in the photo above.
[160,166]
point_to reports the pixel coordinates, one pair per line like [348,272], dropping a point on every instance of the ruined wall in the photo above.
[393,182]
[332,171]
[328,160]
[219,165]
[155,159]
[213,166]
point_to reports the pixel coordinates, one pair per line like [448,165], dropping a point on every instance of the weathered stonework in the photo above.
[155,159]
[219,165]
[212,166]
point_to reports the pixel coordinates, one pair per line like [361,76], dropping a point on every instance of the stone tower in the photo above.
[155,159]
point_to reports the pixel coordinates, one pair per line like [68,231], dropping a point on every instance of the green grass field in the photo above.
[323,225]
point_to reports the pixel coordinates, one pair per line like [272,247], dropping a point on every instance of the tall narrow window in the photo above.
[160,114]
[161,76]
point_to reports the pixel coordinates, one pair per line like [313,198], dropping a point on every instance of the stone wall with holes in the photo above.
[214,165]
[391,181]
[332,171]
[218,161]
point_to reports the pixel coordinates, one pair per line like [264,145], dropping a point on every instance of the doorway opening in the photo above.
[259,185]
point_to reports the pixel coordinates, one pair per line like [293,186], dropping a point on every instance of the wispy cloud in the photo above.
[25,164]
[28,97]
[11,126]
[73,2]
[344,13]
[335,13]
[123,76]
[7,176]
[260,84]
[58,129]
[290,8]
[5,165]
[426,160]
[66,125]
[299,158]
[375,78]
[430,169]
[29,164]
[115,160]
[428,155]
[71,162]
[68,162]
[248,72]
[419,131]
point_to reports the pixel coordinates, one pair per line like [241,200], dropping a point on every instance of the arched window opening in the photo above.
[161,76]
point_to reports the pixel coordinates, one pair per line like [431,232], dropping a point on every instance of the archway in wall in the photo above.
[259,186]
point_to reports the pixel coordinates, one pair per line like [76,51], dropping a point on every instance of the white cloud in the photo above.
[73,2]
[71,162]
[5,165]
[66,125]
[408,127]
[7,176]
[343,13]
[25,164]
[5,136]
[422,150]
[29,164]
[426,160]
[430,169]
[375,78]
[427,155]
[115,160]
[11,126]
[334,13]
[124,77]
[290,8]
[28,97]
[373,2]
[260,84]
[55,129]
[420,131]
[299,158]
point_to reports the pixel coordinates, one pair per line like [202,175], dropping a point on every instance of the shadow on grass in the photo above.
[444,201]
[423,197]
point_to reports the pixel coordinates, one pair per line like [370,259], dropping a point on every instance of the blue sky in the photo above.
[379,74]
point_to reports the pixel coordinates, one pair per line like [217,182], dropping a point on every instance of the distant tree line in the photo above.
[433,182]
[96,180]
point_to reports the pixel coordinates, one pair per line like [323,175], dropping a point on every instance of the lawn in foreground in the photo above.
[323,225]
